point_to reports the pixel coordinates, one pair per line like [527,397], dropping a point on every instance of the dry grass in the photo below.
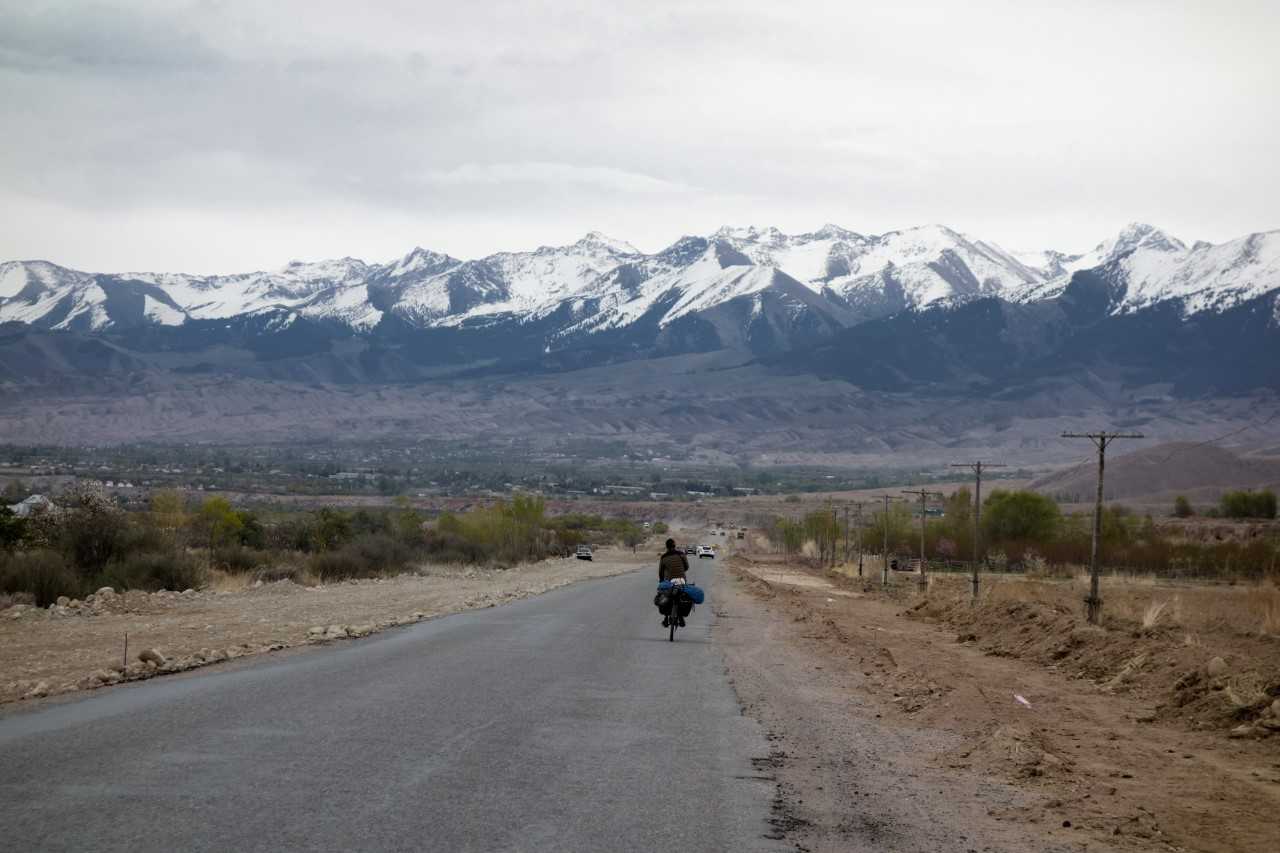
[220,581]
[1152,614]
[1142,601]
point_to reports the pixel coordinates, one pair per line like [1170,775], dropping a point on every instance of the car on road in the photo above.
[706,551]
[690,550]
[584,552]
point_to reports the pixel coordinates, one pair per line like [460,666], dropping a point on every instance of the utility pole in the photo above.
[884,571]
[924,494]
[835,532]
[858,505]
[846,534]
[977,468]
[1093,604]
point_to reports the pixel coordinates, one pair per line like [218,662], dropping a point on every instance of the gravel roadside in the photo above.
[889,734]
[47,652]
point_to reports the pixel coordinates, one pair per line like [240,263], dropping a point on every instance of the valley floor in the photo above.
[890,732]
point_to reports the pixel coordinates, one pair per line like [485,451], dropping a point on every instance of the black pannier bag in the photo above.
[663,601]
[685,605]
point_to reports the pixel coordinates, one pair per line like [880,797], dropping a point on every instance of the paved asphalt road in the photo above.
[563,722]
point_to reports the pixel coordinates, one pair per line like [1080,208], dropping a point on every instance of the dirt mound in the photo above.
[1173,467]
[1222,682]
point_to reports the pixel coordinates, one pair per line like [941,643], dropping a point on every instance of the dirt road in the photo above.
[892,733]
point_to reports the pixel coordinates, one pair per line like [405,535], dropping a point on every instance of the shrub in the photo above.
[365,557]
[1249,504]
[44,575]
[172,569]
[1182,507]
[237,558]
[12,529]
[91,538]
[1011,516]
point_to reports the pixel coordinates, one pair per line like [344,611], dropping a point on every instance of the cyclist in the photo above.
[673,564]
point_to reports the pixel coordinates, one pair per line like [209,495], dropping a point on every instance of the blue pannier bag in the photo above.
[695,593]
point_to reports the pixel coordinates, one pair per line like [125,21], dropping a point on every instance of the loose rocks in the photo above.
[152,656]
[1216,667]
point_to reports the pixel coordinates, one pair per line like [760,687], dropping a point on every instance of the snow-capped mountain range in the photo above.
[599,283]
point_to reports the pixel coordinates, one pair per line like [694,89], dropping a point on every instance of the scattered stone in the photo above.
[188,592]
[316,631]
[1216,667]
[1147,716]
[75,604]
[105,591]
[1242,730]
[40,690]
[335,632]
[1275,708]
[418,614]
[152,656]
[63,601]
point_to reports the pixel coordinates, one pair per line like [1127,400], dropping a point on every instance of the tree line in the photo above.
[87,541]
[1026,530]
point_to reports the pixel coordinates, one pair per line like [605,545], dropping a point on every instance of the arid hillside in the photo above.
[1157,474]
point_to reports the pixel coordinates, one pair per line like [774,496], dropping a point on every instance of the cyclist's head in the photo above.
[671,544]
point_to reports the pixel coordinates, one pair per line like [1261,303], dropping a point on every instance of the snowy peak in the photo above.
[602,282]
[422,262]
[602,242]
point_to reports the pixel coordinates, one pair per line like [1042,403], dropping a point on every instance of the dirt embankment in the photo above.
[62,649]
[906,727]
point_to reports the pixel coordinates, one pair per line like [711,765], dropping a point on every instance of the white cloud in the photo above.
[478,127]
[599,177]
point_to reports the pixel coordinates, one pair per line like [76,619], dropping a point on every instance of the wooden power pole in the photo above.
[1093,604]
[858,507]
[977,468]
[924,494]
[884,571]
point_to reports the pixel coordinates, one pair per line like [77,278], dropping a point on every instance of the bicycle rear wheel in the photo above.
[674,623]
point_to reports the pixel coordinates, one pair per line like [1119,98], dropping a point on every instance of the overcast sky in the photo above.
[222,136]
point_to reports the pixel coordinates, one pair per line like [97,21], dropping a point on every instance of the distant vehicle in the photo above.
[584,552]
[706,551]
[690,550]
[742,534]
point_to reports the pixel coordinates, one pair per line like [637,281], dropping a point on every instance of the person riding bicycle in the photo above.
[671,565]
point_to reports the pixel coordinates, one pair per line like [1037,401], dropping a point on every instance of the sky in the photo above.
[222,136]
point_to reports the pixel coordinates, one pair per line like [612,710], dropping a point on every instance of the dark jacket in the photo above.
[673,564]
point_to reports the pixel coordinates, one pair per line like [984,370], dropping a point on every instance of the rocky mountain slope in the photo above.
[925,306]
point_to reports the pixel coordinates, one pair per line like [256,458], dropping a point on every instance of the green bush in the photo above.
[172,569]
[1249,504]
[12,529]
[44,575]
[1182,507]
[1019,516]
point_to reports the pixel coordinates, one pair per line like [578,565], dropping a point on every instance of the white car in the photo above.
[706,551]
